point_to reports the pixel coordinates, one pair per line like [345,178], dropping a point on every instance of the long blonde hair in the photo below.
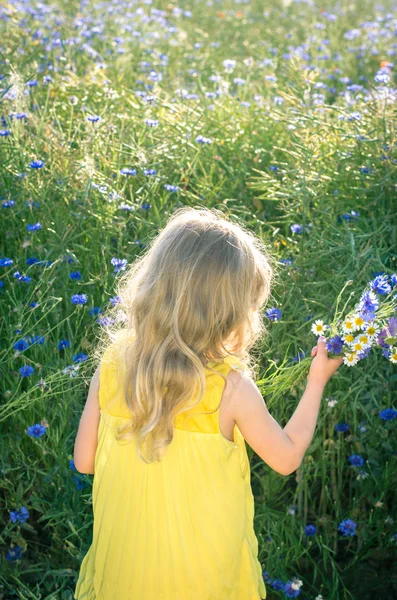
[194,296]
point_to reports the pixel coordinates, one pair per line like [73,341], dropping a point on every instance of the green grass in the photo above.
[318,149]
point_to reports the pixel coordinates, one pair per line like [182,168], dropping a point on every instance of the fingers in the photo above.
[314,351]
[322,350]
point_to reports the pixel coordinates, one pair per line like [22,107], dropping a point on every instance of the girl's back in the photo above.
[178,529]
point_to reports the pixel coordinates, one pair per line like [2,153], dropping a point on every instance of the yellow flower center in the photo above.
[371,331]
[364,339]
[349,325]
[359,321]
[319,327]
[349,337]
[394,356]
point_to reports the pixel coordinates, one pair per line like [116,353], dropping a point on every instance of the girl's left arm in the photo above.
[87,435]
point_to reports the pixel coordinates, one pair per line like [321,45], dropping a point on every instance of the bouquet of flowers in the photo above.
[371,324]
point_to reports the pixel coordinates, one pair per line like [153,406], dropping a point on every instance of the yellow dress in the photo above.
[179,529]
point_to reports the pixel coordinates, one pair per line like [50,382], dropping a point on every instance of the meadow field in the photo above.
[282,115]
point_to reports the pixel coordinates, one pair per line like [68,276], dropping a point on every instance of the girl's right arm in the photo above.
[283,449]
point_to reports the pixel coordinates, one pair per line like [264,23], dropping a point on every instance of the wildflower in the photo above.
[358,322]
[331,402]
[362,475]
[149,171]
[348,326]
[34,227]
[292,588]
[274,314]
[356,460]
[393,355]
[349,338]
[318,327]
[203,140]
[276,584]
[26,371]
[4,132]
[119,263]
[36,164]
[335,344]
[351,359]
[14,553]
[6,262]
[347,527]
[371,330]
[388,414]
[296,228]
[79,299]
[127,171]
[229,64]
[342,427]
[105,321]
[381,285]
[80,357]
[21,345]
[75,275]
[310,530]
[171,188]
[36,430]
[93,118]
[20,515]
[152,122]
[63,344]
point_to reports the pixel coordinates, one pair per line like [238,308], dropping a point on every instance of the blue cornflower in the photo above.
[381,285]
[78,358]
[299,356]
[286,261]
[34,227]
[80,484]
[6,262]
[347,527]
[72,465]
[342,427]
[393,279]
[171,188]
[63,344]
[115,300]
[274,314]
[152,122]
[105,321]
[75,275]
[310,530]
[94,311]
[26,371]
[145,205]
[290,590]
[356,460]
[368,304]
[203,140]
[21,345]
[149,171]
[364,353]
[127,171]
[21,515]
[119,263]
[32,82]
[335,344]
[229,63]
[36,431]
[79,299]
[352,216]
[36,164]
[4,132]
[277,584]
[14,553]
[20,277]
[387,414]
[273,168]
[93,118]
[265,575]
[296,228]
[8,204]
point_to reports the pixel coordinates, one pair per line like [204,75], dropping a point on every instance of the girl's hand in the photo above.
[322,368]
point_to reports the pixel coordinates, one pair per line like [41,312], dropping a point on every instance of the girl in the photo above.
[168,414]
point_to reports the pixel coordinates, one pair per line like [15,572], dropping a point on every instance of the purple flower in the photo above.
[203,140]
[392,326]
[335,344]
[93,118]
[356,460]
[171,188]
[127,171]
[296,228]
[274,314]
[368,304]
[347,527]
[119,263]
[388,414]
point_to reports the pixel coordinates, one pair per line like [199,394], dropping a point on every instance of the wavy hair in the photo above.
[195,295]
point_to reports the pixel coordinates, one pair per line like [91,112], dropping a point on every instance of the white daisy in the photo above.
[351,359]
[393,354]
[348,326]
[358,322]
[349,338]
[372,330]
[357,346]
[318,327]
